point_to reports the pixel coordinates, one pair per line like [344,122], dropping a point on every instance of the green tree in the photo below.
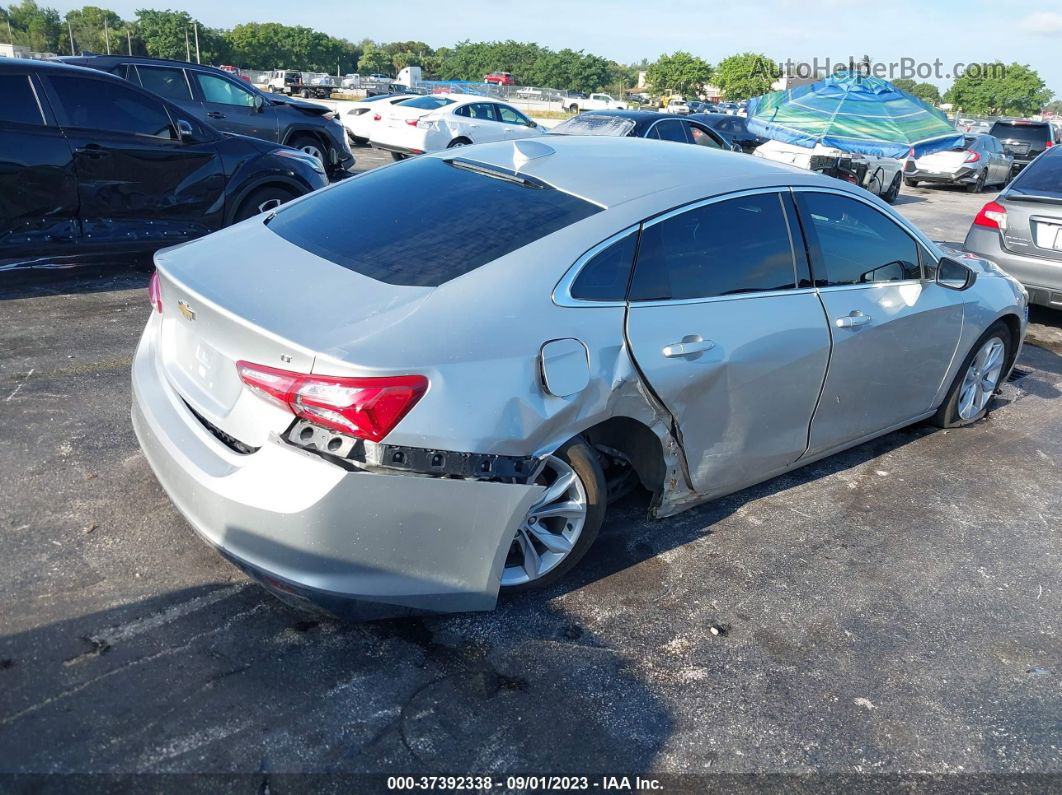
[997,89]
[38,28]
[374,59]
[96,29]
[927,92]
[680,72]
[270,45]
[905,84]
[171,34]
[746,75]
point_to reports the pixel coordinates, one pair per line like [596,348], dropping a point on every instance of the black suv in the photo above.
[93,169]
[1024,139]
[232,105]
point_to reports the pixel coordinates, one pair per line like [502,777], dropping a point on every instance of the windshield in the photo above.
[1042,176]
[1030,133]
[589,124]
[424,222]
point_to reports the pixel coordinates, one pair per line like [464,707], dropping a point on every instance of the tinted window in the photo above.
[482,110]
[590,124]
[107,105]
[165,82]
[1043,175]
[424,222]
[736,246]
[426,103]
[852,243]
[670,130]
[605,276]
[20,103]
[1030,133]
[702,137]
[222,91]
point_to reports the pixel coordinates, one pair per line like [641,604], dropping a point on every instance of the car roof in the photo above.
[114,60]
[600,168]
[22,64]
[714,116]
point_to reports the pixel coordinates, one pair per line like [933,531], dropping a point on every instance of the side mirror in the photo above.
[184,131]
[736,147]
[532,123]
[259,102]
[954,275]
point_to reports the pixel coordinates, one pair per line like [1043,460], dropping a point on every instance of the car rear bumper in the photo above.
[1042,277]
[960,176]
[357,543]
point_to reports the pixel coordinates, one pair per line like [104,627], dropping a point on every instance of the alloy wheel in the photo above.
[551,528]
[313,149]
[981,379]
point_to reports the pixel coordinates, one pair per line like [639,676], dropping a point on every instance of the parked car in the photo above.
[441,121]
[667,327]
[1024,140]
[93,169]
[230,105]
[882,176]
[350,81]
[1021,229]
[980,161]
[359,118]
[729,108]
[641,124]
[235,72]
[677,106]
[574,104]
[733,129]
[499,79]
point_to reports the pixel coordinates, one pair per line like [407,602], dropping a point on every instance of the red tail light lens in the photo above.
[993,216]
[155,292]
[376,117]
[972,157]
[412,122]
[368,408]
[1049,144]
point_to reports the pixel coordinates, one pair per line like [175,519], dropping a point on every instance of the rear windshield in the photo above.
[1032,133]
[588,124]
[426,103]
[1043,175]
[424,222]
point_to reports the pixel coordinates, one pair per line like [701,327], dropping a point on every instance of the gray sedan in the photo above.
[435,403]
[1021,229]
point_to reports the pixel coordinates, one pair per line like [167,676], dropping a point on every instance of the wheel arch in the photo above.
[295,131]
[634,442]
[270,180]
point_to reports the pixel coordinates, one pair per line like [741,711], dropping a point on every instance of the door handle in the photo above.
[688,346]
[94,151]
[214,114]
[852,320]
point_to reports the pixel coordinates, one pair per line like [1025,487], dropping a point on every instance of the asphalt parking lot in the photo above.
[893,609]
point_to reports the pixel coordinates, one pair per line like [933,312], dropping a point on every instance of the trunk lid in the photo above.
[942,162]
[1034,223]
[248,294]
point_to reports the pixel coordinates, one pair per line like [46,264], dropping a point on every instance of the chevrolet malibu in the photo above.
[417,411]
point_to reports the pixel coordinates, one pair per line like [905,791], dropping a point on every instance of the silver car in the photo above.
[1021,229]
[420,386]
[979,162]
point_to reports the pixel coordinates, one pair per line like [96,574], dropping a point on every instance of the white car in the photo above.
[359,118]
[677,106]
[592,102]
[440,121]
[882,178]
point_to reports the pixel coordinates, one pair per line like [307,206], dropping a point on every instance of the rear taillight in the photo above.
[972,157]
[1049,144]
[368,408]
[155,292]
[376,117]
[412,122]
[993,216]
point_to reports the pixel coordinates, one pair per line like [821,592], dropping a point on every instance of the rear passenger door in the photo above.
[725,325]
[894,333]
[38,184]
[483,123]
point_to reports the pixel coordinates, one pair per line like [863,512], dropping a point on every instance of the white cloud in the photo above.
[1046,23]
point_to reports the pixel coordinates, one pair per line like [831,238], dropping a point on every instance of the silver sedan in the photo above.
[422,385]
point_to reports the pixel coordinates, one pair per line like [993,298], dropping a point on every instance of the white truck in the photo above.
[592,102]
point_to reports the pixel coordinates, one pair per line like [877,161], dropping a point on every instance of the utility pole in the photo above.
[129,37]
[10,35]
[107,37]
[197,43]
[187,46]
[70,30]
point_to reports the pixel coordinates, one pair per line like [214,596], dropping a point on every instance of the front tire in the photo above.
[910,183]
[262,200]
[977,380]
[456,142]
[562,525]
[309,145]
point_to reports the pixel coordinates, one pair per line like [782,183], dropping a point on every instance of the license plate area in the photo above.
[1047,235]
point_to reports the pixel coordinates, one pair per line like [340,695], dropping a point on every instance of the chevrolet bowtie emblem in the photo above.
[187,311]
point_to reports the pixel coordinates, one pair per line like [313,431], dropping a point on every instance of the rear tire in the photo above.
[589,489]
[893,191]
[978,184]
[456,142]
[983,377]
[262,200]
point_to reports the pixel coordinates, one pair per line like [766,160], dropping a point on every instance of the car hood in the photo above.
[307,107]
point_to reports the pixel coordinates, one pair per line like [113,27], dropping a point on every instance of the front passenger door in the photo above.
[894,333]
[725,326]
[230,107]
[139,186]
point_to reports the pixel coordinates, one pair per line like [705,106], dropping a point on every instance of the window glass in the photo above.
[702,137]
[425,103]
[482,110]
[735,246]
[605,276]
[670,130]
[1035,133]
[167,83]
[512,116]
[1043,175]
[19,104]
[591,124]
[425,221]
[222,91]
[110,105]
[852,243]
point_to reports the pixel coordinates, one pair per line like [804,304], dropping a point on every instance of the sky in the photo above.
[953,31]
